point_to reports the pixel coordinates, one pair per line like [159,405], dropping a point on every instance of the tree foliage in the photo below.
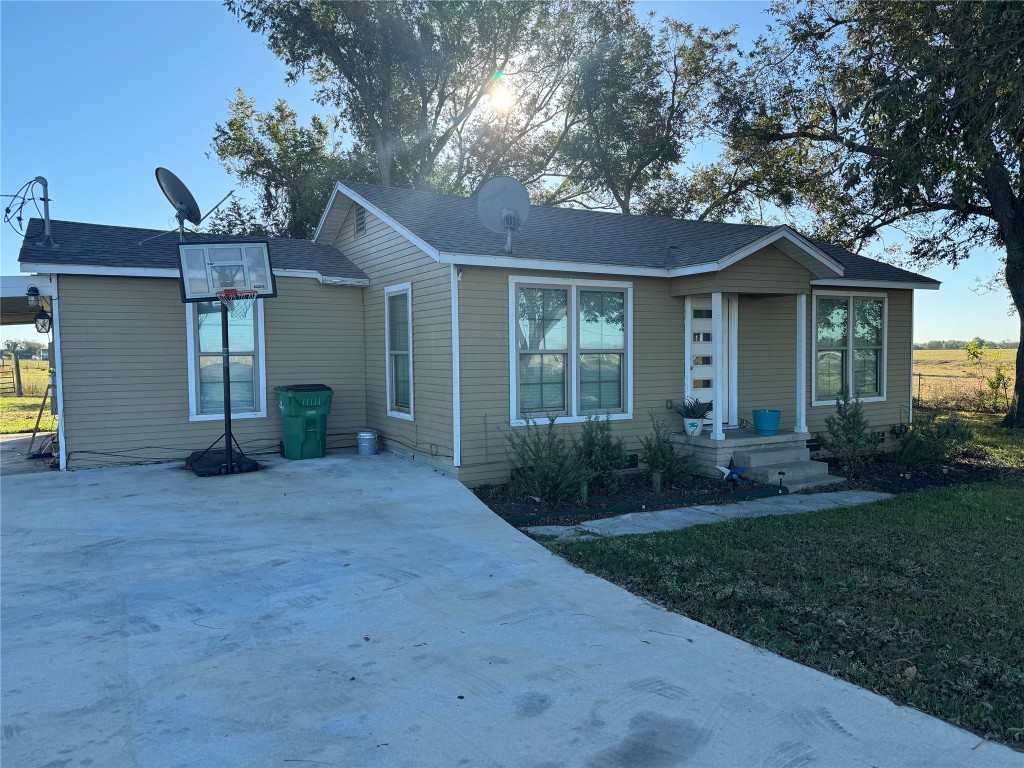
[908,115]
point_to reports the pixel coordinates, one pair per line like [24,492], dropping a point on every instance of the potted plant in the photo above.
[694,411]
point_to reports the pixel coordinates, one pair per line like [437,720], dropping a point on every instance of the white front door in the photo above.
[699,382]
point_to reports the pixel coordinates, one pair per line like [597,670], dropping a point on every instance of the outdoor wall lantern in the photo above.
[43,321]
[33,296]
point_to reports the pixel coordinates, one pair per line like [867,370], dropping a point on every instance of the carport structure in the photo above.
[370,611]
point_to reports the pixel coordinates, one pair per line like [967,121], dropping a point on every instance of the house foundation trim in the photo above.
[801,364]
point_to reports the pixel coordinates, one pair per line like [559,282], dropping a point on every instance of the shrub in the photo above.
[664,465]
[849,438]
[543,466]
[602,454]
[930,440]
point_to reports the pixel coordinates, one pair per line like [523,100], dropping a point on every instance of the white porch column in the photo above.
[687,349]
[801,364]
[717,350]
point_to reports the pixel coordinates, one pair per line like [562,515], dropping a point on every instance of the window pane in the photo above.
[398,322]
[400,382]
[866,372]
[832,322]
[601,382]
[602,320]
[195,271]
[542,322]
[541,383]
[255,261]
[868,317]
[830,372]
[211,384]
[241,331]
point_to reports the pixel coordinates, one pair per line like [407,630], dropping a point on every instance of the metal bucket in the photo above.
[367,441]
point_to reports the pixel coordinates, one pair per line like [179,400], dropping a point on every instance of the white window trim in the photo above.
[573,286]
[193,370]
[391,290]
[815,401]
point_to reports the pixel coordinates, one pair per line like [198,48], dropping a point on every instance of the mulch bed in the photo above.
[634,494]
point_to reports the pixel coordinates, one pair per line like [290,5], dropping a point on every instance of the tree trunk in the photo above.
[1015,282]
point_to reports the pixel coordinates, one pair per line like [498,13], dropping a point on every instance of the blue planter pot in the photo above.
[766,423]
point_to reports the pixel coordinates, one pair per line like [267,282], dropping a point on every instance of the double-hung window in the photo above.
[398,339]
[206,367]
[849,354]
[570,351]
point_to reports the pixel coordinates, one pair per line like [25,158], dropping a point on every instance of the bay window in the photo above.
[570,352]
[849,352]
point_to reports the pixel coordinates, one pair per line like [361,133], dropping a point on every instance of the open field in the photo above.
[920,598]
[944,378]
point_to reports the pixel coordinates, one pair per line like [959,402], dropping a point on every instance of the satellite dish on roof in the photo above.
[185,206]
[503,205]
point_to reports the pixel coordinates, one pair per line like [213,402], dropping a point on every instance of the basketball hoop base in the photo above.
[208,464]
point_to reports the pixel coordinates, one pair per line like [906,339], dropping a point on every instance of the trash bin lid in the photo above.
[304,388]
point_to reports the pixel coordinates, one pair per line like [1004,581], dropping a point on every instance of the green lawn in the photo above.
[1003,445]
[18,414]
[920,597]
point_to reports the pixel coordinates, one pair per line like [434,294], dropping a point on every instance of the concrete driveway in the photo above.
[370,612]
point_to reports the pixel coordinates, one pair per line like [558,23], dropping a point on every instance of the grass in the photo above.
[952,362]
[944,378]
[18,414]
[1005,446]
[920,598]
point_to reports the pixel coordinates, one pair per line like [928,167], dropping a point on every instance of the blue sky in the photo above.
[95,95]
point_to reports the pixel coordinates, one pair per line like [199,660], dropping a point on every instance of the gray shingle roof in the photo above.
[103,245]
[450,224]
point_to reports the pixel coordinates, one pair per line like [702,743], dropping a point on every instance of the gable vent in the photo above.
[360,220]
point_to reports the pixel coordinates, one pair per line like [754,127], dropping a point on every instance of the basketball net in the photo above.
[238,301]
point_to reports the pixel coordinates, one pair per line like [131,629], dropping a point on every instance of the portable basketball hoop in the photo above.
[238,301]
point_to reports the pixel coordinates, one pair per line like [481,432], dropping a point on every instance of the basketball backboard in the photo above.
[207,268]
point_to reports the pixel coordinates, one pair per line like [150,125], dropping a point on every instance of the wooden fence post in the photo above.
[18,392]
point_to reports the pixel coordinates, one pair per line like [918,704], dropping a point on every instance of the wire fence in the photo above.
[962,392]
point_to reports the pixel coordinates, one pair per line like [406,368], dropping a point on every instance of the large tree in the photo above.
[640,99]
[291,169]
[906,115]
[409,77]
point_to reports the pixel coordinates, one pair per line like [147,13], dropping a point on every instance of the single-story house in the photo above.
[431,334]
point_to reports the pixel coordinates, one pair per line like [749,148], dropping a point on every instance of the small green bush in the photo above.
[664,465]
[601,453]
[930,440]
[543,465]
[849,438]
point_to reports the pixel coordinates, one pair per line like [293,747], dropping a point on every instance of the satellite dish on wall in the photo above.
[185,206]
[503,205]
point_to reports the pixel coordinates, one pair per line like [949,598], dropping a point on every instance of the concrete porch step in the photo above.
[760,457]
[796,472]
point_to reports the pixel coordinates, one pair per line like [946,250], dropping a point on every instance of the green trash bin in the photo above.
[304,409]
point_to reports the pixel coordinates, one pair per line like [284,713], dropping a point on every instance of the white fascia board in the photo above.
[783,233]
[92,269]
[323,216]
[511,262]
[893,284]
[15,286]
[416,240]
[312,274]
[694,269]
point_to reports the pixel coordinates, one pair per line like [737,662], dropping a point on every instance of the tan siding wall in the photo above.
[767,271]
[484,337]
[125,367]
[389,259]
[766,345]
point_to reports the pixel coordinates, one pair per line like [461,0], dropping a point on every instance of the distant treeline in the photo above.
[957,344]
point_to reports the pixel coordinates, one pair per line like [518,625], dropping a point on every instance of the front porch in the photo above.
[764,457]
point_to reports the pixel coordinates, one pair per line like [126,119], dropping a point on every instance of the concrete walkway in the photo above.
[370,612]
[684,517]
